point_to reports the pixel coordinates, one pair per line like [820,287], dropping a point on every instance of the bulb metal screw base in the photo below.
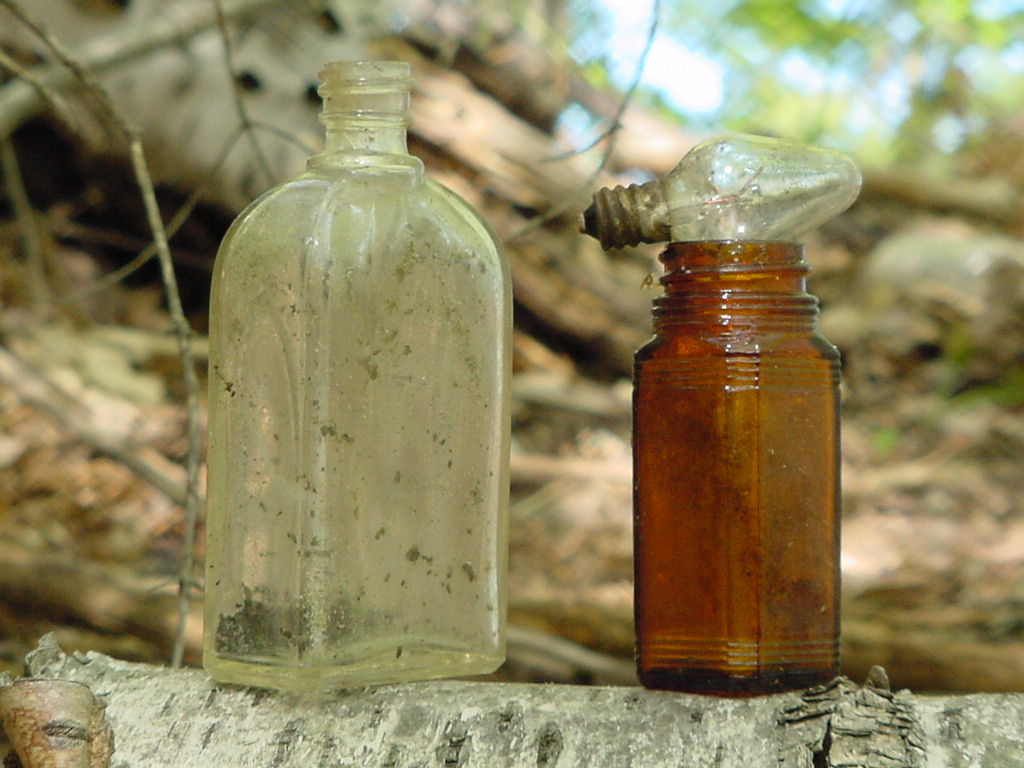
[623,216]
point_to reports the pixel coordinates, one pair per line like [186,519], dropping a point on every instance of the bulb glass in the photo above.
[756,188]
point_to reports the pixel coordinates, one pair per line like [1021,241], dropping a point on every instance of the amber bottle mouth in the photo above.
[731,256]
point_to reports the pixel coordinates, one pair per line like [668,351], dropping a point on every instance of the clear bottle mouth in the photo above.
[366,91]
[366,74]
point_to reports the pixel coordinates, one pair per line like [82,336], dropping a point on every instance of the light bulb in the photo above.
[737,187]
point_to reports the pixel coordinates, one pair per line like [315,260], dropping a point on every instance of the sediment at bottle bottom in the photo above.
[397,666]
[724,683]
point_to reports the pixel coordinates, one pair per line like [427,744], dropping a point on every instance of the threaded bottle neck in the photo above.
[366,110]
[735,284]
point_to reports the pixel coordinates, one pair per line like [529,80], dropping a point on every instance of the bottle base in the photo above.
[717,682]
[410,666]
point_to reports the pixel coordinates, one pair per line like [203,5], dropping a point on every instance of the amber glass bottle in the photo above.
[736,434]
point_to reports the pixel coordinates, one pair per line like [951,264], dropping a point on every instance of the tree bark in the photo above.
[162,717]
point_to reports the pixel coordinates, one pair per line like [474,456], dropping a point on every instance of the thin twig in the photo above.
[28,222]
[178,319]
[239,98]
[180,216]
[21,99]
[609,133]
[284,135]
[184,334]
[35,79]
[616,122]
[177,220]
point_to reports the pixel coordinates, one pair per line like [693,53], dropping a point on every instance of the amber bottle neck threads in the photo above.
[735,285]
[366,114]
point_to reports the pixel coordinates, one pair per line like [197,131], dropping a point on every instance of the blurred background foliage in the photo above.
[891,80]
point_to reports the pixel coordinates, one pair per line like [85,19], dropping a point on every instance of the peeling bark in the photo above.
[843,725]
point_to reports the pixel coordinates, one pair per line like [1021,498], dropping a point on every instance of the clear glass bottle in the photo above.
[360,333]
[736,476]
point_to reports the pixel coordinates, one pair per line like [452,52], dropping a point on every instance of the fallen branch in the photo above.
[533,468]
[162,717]
[995,200]
[103,597]
[21,100]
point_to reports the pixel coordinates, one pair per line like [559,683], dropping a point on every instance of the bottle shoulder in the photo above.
[365,222]
[460,225]
[450,204]
[291,194]
[325,194]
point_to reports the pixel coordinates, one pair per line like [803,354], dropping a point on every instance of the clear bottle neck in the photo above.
[365,115]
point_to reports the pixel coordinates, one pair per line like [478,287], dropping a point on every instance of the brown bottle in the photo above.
[736,473]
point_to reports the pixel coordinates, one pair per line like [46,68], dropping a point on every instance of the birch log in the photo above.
[162,717]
